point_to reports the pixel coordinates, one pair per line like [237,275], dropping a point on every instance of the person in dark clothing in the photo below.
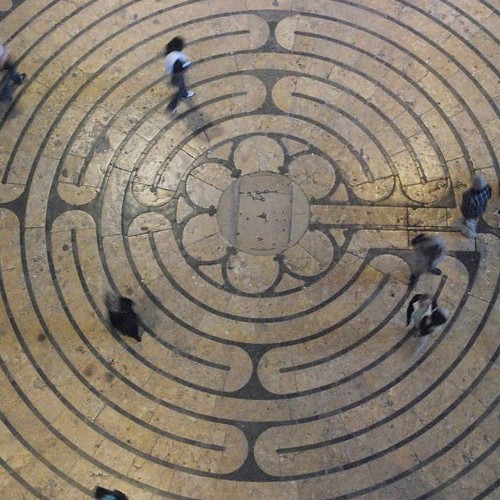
[429,252]
[123,317]
[433,318]
[12,78]
[176,63]
[474,203]
[105,494]
[420,306]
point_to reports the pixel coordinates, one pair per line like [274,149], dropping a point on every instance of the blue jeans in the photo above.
[178,81]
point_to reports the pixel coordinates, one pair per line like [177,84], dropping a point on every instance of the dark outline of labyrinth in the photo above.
[100,197]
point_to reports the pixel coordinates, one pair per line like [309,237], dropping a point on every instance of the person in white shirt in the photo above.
[176,63]
[12,78]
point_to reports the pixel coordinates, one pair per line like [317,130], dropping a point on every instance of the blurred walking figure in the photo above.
[429,324]
[429,252]
[105,494]
[474,203]
[424,317]
[122,316]
[12,77]
[420,306]
[176,64]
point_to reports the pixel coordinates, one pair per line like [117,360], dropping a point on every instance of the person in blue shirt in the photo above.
[474,203]
[176,64]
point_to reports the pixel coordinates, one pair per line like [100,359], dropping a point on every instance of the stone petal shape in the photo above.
[431,192]
[5,5]
[259,153]
[377,190]
[313,174]
[208,249]
[312,255]
[252,273]
[206,183]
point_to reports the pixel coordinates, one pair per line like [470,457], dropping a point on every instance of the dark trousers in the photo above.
[11,79]
[178,81]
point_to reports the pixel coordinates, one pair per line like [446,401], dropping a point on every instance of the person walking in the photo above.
[429,252]
[424,317]
[176,64]
[474,203]
[420,306]
[12,77]
[122,316]
[429,324]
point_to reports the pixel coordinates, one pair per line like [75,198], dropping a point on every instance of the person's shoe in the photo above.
[190,94]
[413,280]
[172,111]
[23,77]
[437,271]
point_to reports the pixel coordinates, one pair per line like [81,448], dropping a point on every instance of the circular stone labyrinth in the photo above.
[263,234]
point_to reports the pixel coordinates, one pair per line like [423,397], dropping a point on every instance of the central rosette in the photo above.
[244,215]
[263,213]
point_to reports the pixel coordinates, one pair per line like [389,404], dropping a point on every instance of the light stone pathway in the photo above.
[264,234]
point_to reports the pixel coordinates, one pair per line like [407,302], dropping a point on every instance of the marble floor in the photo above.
[264,234]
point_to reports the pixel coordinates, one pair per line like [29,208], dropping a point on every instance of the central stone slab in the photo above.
[263,213]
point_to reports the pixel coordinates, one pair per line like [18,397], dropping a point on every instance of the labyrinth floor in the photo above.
[264,235]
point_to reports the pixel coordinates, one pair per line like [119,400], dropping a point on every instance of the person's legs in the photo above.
[421,345]
[469,229]
[182,92]
[178,81]
[172,105]
[182,87]
[186,94]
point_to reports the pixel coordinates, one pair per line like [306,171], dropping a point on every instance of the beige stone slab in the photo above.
[152,474]
[473,484]
[114,456]
[413,96]
[387,103]
[374,216]
[11,132]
